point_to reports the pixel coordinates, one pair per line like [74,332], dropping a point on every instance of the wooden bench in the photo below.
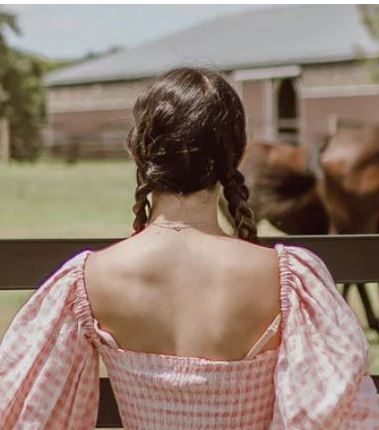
[26,263]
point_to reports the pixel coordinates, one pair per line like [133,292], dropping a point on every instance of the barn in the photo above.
[297,69]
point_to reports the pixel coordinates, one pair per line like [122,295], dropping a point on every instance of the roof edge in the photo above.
[240,67]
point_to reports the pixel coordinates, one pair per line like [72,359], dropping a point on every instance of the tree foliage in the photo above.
[22,98]
[370,17]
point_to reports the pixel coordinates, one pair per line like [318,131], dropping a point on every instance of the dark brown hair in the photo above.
[189,133]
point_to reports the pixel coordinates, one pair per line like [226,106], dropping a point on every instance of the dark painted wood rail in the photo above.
[25,264]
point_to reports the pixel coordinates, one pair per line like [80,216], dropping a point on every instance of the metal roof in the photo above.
[276,36]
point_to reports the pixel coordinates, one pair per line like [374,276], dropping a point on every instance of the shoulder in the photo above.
[66,272]
[103,267]
[242,260]
[247,253]
[256,269]
[94,272]
[262,263]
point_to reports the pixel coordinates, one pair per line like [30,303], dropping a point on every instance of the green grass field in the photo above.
[88,199]
[58,200]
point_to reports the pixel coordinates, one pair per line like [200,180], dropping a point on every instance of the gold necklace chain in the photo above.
[179,226]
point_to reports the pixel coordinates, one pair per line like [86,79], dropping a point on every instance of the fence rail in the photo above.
[27,263]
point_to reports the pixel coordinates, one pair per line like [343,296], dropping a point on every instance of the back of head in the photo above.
[189,134]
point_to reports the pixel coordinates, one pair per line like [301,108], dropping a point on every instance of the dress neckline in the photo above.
[91,320]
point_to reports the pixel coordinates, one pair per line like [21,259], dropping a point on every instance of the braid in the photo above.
[139,208]
[237,196]
[190,133]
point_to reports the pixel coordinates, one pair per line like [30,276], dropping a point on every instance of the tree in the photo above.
[22,98]
[370,16]
[7,20]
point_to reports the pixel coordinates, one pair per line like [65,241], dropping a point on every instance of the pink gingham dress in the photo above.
[317,378]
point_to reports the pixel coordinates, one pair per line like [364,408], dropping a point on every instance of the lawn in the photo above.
[88,199]
[59,200]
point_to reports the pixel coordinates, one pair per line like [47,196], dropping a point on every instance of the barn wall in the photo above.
[336,91]
[319,114]
[105,108]
[91,123]
[335,75]
[100,109]
[256,96]
[97,96]
[342,90]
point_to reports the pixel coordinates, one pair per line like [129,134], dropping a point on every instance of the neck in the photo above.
[198,209]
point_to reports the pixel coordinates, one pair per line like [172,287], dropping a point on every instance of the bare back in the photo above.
[185,294]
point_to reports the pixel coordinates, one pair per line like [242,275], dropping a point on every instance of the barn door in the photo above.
[287,111]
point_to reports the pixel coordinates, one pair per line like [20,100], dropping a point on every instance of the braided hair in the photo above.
[189,133]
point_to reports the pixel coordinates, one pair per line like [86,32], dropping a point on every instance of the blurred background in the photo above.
[308,76]
[70,74]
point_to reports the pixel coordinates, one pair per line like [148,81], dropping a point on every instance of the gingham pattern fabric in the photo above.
[321,377]
[316,379]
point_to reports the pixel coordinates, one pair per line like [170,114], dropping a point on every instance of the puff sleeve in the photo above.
[321,375]
[49,368]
